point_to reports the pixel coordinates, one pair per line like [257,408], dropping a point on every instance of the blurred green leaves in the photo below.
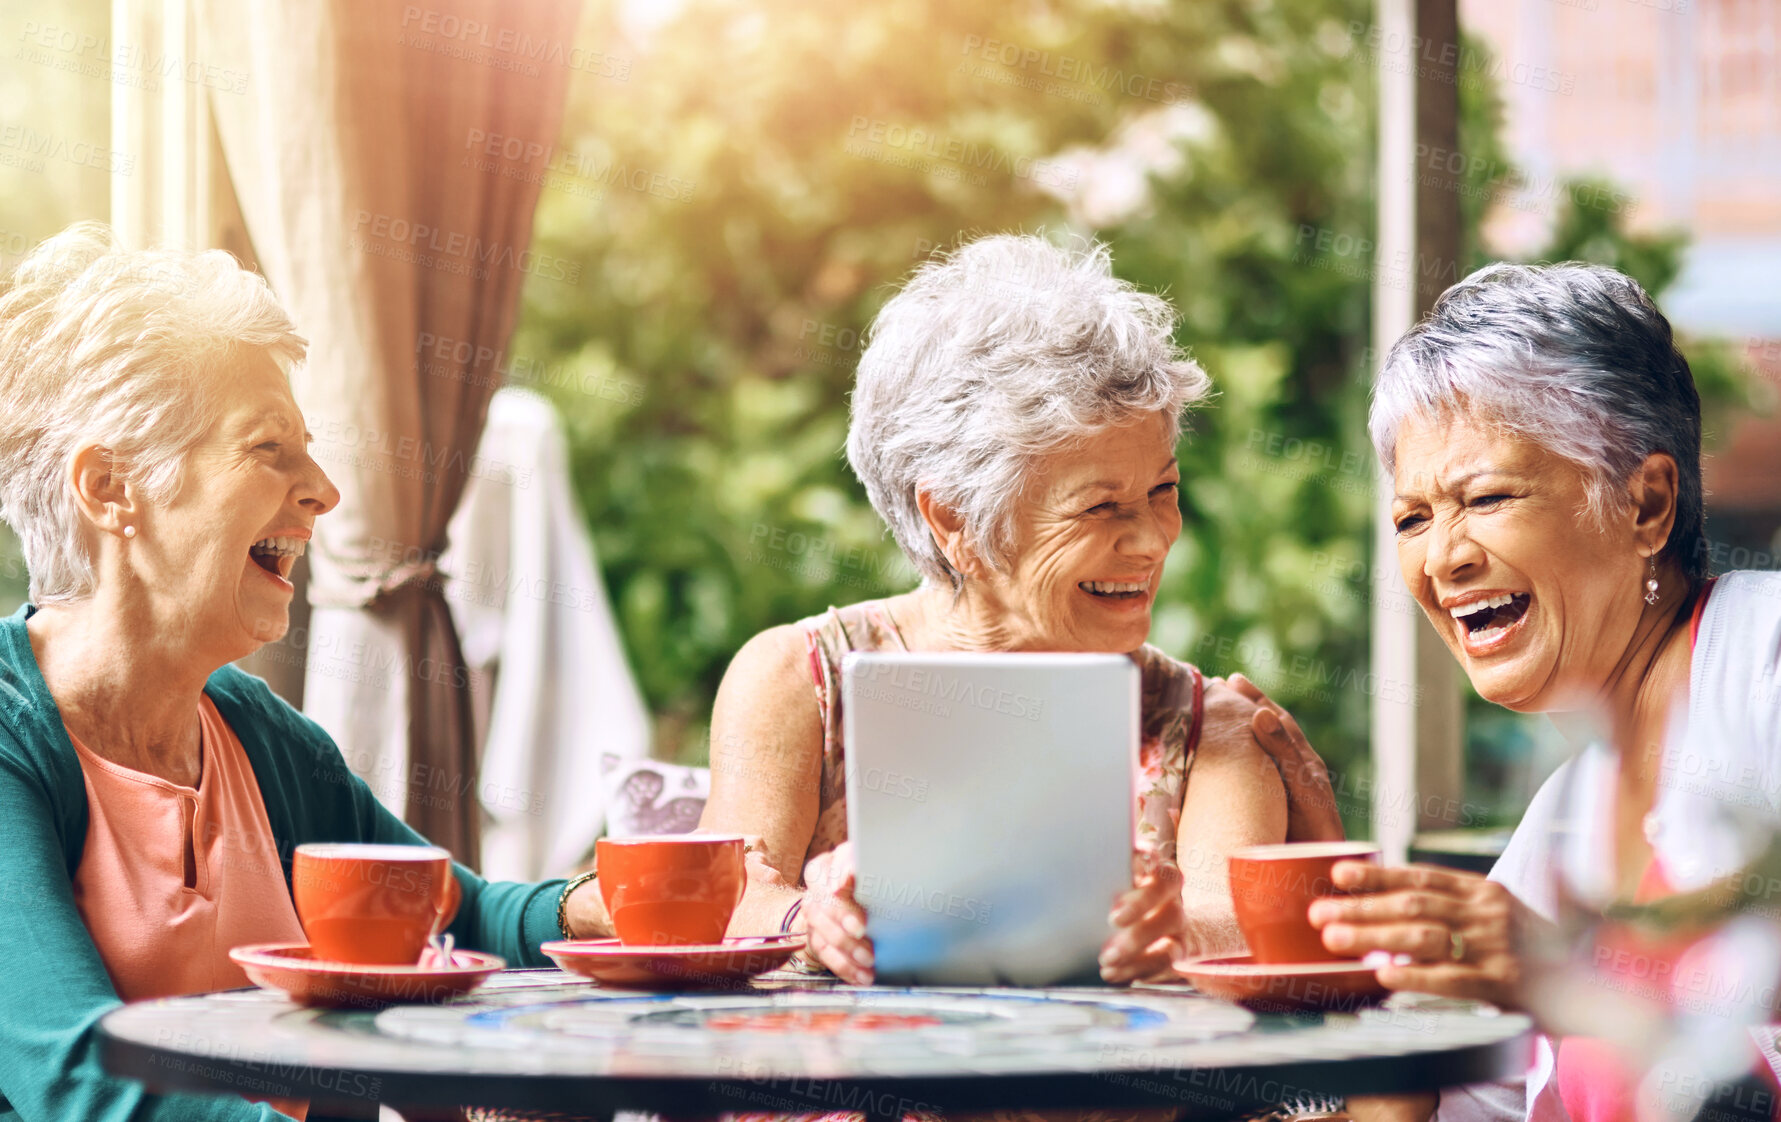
[717,494]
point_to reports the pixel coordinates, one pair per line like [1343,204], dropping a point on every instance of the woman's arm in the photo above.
[507,918]
[310,795]
[315,797]
[1234,798]
[766,771]
[1311,810]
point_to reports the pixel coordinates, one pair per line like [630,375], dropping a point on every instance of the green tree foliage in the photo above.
[745,198]
[717,491]
[54,108]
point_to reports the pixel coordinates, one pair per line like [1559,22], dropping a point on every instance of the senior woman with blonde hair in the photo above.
[1014,422]
[1544,437]
[156,468]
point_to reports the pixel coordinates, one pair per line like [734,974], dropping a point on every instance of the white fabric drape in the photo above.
[531,608]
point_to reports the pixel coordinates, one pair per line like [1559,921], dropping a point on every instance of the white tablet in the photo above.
[990,803]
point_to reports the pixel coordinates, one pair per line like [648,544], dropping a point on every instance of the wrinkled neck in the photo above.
[121,684]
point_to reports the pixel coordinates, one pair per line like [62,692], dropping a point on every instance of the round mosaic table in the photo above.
[545,1040]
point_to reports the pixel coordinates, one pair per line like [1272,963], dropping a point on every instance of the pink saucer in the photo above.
[1286,987]
[724,965]
[287,968]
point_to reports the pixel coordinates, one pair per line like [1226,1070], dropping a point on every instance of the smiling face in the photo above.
[219,555]
[1536,601]
[1088,541]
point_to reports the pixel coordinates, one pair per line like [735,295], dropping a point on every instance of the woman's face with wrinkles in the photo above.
[1088,541]
[1536,601]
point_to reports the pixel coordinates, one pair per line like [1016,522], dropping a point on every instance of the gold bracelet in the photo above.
[563,900]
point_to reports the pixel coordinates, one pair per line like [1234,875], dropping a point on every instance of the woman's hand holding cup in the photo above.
[1450,933]
[835,924]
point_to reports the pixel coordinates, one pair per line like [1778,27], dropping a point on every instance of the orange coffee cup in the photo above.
[671,889]
[374,905]
[1272,887]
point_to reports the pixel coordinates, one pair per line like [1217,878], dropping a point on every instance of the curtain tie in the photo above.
[370,590]
[409,574]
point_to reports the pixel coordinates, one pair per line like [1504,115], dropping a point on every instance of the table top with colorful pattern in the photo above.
[542,1039]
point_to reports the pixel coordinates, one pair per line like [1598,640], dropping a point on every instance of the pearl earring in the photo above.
[1651,582]
[129,531]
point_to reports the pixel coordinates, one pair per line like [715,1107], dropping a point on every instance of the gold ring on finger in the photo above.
[1456,945]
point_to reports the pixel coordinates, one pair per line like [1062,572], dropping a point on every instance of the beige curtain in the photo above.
[373,148]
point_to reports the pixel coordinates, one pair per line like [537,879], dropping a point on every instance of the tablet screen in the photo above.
[990,800]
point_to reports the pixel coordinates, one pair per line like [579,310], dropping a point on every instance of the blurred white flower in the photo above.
[1110,185]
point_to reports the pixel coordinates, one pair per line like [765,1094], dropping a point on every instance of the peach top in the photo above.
[171,877]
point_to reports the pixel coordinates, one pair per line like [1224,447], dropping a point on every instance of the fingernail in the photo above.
[1346,874]
[1321,913]
[1109,957]
[863,955]
[1338,937]
[853,926]
[1266,721]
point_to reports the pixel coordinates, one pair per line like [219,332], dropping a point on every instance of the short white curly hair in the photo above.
[1006,350]
[122,349]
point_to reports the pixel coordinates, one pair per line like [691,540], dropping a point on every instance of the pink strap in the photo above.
[1700,609]
[1193,728]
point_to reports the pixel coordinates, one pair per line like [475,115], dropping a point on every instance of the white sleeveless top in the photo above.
[1718,803]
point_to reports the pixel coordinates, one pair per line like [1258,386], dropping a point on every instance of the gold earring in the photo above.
[1651,582]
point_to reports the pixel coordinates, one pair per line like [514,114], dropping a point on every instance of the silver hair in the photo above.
[1006,350]
[1574,357]
[123,349]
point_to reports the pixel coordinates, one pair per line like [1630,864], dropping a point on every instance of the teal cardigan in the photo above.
[56,989]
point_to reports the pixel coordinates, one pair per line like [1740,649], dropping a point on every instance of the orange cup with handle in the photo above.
[373,905]
[671,889]
[1272,887]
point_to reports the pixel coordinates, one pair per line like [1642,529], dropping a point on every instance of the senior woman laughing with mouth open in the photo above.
[156,469]
[1544,435]
[1014,422]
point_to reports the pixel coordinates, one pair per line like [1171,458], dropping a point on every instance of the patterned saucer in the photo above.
[288,969]
[726,965]
[1286,987]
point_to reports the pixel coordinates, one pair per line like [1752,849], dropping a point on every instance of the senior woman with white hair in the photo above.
[1014,422]
[1544,436]
[156,469]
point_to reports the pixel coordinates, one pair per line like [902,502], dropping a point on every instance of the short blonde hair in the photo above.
[120,348]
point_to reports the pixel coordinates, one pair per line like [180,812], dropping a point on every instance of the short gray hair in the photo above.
[999,353]
[118,348]
[1574,357]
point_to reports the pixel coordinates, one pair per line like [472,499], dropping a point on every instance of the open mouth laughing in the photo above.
[277,556]
[1487,620]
